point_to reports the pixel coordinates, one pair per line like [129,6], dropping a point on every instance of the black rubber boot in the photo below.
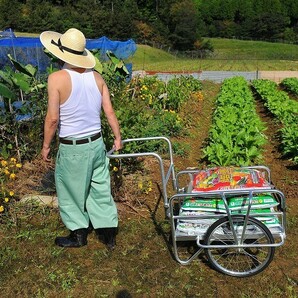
[76,238]
[107,236]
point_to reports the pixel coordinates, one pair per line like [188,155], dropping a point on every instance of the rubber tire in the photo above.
[220,268]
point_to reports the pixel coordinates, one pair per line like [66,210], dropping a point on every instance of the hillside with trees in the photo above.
[179,24]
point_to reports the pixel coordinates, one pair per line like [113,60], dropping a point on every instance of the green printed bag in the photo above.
[215,205]
[258,202]
[270,221]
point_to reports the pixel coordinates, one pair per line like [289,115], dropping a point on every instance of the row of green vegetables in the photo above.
[290,85]
[285,110]
[236,134]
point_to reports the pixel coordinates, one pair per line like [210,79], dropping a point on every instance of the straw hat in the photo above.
[69,47]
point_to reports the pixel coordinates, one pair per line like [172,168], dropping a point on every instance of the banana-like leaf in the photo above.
[20,80]
[5,75]
[28,70]
[117,62]
[6,92]
[98,66]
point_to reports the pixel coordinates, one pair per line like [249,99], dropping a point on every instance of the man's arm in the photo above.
[52,117]
[111,117]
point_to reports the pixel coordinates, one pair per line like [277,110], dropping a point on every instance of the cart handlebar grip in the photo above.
[110,154]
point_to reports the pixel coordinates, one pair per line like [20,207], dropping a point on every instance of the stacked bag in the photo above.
[213,208]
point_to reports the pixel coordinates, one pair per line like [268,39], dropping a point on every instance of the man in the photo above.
[75,97]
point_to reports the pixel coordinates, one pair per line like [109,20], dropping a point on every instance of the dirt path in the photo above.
[285,178]
[200,114]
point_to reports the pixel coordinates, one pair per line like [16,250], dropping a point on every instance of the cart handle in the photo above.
[164,176]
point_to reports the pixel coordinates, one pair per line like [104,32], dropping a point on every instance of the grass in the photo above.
[24,34]
[229,55]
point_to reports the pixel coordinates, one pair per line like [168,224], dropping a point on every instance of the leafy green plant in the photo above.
[286,112]
[114,71]
[22,111]
[146,107]
[179,90]
[290,85]
[235,136]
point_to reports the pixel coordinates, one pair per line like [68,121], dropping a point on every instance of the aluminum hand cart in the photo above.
[238,226]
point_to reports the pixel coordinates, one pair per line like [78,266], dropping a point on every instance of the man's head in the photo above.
[69,47]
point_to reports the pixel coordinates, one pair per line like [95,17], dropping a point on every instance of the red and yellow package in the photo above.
[222,178]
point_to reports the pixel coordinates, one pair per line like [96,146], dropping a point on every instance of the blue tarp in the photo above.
[29,50]
[7,33]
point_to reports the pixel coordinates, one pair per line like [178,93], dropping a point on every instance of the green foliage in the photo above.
[149,107]
[113,71]
[184,23]
[144,106]
[179,90]
[235,136]
[23,111]
[291,85]
[285,110]
[170,23]
[266,20]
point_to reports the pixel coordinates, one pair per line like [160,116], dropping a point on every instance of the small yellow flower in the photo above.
[6,200]
[140,185]
[18,165]
[115,169]
[13,160]
[6,172]
[3,163]
[12,176]
[11,193]
[1,208]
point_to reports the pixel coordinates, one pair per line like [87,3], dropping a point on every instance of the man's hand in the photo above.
[117,144]
[45,153]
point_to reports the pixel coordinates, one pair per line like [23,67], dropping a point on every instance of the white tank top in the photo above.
[80,113]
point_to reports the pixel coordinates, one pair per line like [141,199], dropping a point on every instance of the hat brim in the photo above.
[86,60]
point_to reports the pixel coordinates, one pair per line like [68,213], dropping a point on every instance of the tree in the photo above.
[10,12]
[268,26]
[184,25]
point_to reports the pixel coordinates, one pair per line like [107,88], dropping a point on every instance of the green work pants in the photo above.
[83,186]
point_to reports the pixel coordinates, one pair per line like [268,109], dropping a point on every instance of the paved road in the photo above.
[219,76]
[216,76]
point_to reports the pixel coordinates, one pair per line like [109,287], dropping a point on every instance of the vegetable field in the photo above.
[233,123]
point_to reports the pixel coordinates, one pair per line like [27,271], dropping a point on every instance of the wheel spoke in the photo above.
[242,260]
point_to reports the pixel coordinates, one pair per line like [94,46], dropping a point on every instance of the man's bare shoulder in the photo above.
[58,76]
[98,77]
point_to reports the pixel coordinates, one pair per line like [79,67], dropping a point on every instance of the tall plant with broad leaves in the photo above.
[22,109]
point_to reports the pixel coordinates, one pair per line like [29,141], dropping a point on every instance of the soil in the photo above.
[144,263]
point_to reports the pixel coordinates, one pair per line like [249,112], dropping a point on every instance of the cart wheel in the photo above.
[239,261]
